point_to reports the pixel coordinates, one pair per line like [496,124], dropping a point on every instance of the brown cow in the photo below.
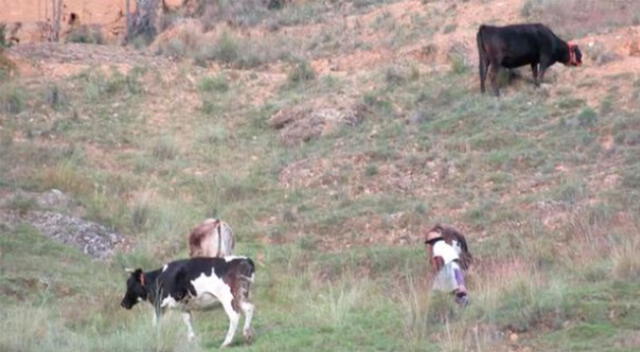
[212,238]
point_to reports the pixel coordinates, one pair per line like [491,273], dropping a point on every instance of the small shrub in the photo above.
[86,35]
[587,117]
[214,134]
[371,170]
[450,28]
[217,83]
[66,177]
[631,178]
[227,49]
[302,72]
[7,67]
[21,204]
[141,216]
[12,99]
[165,149]
[3,36]
[458,58]
[626,262]
[239,13]
[55,97]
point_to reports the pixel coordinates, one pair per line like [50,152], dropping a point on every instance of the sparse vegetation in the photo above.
[576,18]
[86,35]
[544,182]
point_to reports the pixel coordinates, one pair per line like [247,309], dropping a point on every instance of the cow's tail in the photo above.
[246,275]
[247,270]
[480,39]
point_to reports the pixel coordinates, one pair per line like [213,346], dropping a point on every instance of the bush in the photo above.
[165,149]
[302,72]
[210,84]
[55,97]
[85,34]
[12,99]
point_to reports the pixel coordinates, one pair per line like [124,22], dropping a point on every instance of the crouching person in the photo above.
[445,262]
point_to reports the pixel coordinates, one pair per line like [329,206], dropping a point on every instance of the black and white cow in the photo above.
[197,284]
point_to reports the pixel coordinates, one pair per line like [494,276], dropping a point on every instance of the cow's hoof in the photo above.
[248,335]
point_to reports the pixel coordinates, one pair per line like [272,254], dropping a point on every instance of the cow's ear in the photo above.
[137,274]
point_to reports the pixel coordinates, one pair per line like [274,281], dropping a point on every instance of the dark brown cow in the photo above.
[522,44]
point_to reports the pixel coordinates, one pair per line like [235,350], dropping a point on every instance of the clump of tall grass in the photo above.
[300,73]
[13,98]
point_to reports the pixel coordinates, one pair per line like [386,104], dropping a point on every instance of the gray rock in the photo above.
[91,238]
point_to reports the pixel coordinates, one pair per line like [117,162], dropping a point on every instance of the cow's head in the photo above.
[136,290]
[575,55]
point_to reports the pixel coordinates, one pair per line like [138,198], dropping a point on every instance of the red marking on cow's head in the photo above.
[575,55]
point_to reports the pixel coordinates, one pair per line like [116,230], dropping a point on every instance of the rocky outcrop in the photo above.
[46,212]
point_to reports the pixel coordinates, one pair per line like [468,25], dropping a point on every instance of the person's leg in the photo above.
[461,289]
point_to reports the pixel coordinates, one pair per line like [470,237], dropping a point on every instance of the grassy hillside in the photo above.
[330,135]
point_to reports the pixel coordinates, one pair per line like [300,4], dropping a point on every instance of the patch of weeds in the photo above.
[570,192]
[227,49]
[66,177]
[631,177]
[450,28]
[421,209]
[217,83]
[307,243]
[607,106]
[7,67]
[458,59]
[371,170]
[301,72]
[587,117]
[141,216]
[21,204]
[165,149]
[55,97]
[13,98]
[98,87]
[379,105]
[395,76]
[214,134]
[85,34]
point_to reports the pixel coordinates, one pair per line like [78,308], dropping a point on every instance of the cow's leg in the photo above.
[234,318]
[248,309]
[493,75]
[545,62]
[534,70]
[483,66]
[186,316]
